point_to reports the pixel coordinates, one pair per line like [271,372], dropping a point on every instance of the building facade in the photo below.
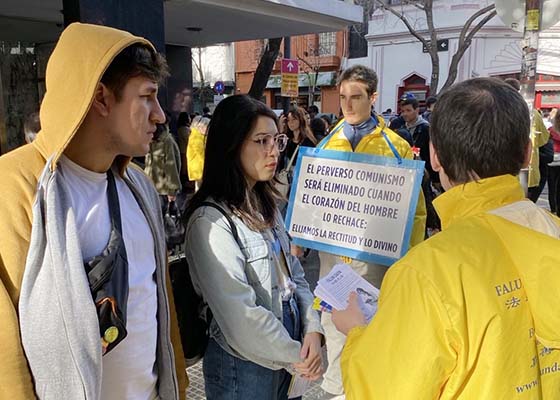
[320,58]
[403,65]
[210,65]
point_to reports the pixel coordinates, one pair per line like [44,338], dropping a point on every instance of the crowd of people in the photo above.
[88,311]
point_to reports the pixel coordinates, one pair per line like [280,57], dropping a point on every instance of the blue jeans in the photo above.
[230,378]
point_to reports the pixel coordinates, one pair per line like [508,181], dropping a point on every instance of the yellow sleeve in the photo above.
[16,198]
[541,133]
[15,377]
[195,154]
[406,351]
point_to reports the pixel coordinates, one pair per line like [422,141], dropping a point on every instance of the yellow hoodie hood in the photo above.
[71,80]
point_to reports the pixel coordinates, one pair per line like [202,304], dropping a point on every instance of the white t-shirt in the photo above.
[129,371]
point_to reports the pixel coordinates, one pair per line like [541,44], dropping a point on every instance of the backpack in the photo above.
[193,326]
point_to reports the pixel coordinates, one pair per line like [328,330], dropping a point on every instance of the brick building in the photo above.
[319,56]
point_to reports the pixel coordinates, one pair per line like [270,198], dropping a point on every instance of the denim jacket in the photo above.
[240,285]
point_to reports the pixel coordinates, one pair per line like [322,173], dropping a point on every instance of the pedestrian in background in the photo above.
[430,103]
[471,313]
[554,170]
[183,132]
[300,134]
[163,164]
[263,324]
[298,131]
[31,127]
[196,147]
[543,152]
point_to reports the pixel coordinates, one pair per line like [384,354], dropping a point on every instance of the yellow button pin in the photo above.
[111,334]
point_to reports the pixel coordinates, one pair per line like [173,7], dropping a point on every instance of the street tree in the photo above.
[429,36]
[270,51]
[204,92]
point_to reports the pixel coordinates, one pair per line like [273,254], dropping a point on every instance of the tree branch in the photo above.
[465,41]
[472,18]
[405,21]
[479,25]
[415,3]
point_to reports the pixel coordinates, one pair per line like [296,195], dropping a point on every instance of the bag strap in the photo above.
[292,158]
[209,314]
[113,200]
[226,214]
[392,147]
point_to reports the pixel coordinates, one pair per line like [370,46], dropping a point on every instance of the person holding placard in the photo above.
[360,132]
[472,312]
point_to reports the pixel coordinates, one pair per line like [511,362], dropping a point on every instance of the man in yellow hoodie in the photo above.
[360,132]
[472,313]
[59,209]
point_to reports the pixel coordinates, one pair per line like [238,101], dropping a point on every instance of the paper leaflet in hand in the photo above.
[335,288]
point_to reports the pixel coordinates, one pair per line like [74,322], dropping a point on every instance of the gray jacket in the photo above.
[58,320]
[240,286]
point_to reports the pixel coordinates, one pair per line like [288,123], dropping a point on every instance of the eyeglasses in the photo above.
[267,142]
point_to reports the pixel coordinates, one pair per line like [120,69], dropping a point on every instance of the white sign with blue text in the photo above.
[352,204]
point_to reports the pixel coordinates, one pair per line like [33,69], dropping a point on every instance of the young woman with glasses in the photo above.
[263,327]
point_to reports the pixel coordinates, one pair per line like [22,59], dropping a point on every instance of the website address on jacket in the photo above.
[527,386]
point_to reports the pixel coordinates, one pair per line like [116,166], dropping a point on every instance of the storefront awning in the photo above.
[547,87]
[195,23]
[323,79]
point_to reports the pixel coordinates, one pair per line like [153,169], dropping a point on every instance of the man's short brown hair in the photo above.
[360,73]
[135,60]
[480,128]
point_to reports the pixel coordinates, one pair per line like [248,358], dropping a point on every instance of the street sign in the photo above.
[219,87]
[442,45]
[290,72]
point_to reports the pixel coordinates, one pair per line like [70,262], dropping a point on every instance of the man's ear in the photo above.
[434,159]
[103,99]
[373,98]
[528,153]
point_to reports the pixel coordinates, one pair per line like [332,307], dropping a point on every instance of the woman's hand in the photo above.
[312,365]
[282,124]
[296,250]
[347,319]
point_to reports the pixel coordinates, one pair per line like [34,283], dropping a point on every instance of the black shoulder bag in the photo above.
[108,277]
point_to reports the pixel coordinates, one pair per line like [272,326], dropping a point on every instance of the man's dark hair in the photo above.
[360,73]
[313,109]
[431,100]
[480,128]
[135,60]
[183,119]
[32,123]
[206,110]
[409,98]
[514,83]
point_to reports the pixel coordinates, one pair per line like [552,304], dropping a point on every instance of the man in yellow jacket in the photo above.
[472,313]
[360,132]
[59,209]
